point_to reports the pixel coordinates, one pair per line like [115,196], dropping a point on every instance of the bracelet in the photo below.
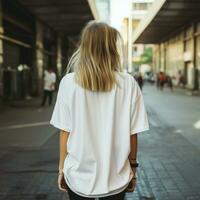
[60,173]
[134,165]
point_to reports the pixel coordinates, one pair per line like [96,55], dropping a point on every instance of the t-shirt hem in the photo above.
[135,131]
[97,196]
[60,126]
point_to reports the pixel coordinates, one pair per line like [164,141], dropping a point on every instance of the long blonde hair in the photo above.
[98,57]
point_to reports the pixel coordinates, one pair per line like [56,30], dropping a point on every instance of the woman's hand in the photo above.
[61,182]
[63,153]
[132,184]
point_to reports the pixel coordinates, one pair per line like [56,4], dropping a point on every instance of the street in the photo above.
[168,154]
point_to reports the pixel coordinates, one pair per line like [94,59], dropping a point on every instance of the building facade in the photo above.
[34,36]
[181,54]
[139,10]
[133,52]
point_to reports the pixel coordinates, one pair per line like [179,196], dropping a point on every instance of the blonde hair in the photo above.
[98,57]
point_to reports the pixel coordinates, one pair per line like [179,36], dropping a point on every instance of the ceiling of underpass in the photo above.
[170,17]
[67,16]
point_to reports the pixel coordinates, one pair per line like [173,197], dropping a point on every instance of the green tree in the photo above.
[146,57]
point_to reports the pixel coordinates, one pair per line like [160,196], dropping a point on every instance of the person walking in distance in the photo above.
[162,80]
[49,86]
[140,80]
[99,111]
[169,82]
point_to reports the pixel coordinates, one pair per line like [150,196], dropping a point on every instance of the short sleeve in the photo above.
[139,120]
[61,114]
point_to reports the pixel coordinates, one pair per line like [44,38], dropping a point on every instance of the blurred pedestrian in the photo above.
[181,79]
[140,80]
[169,82]
[49,86]
[94,104]
[162,80]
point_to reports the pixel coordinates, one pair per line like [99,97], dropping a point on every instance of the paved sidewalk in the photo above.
[28,153]
[178,90]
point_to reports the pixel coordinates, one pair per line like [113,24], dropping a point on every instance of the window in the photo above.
[141,6]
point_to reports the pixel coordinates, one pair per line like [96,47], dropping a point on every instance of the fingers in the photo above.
[131,189]
[132,185]
[61,183]
[61,188]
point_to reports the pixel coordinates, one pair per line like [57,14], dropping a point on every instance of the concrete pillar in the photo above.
[196,78]
[165,58]
[184,49]
[159,54]
[1,49]
[156,58]
[162,57]
[1,33]
[38,60]
[59,57]
[130,43]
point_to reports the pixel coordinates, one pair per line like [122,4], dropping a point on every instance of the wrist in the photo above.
[60,173]
[134,164]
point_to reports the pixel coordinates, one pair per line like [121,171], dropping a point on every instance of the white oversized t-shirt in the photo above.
[100,125]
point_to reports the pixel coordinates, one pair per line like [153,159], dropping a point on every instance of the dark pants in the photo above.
[74,196]
[46,94]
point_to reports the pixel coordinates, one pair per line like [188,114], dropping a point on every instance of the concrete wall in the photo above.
[1,50]
[174,55]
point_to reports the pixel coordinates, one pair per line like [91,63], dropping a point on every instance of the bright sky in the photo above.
[119,10]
